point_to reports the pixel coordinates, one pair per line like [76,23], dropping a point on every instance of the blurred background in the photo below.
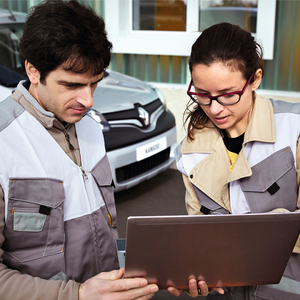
[152,38]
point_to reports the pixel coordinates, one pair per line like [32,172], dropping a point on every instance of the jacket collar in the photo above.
[261,127]
[46,118]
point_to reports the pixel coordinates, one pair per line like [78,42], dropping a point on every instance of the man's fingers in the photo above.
[139,293]
[112,275]
[135,288]
[124,284]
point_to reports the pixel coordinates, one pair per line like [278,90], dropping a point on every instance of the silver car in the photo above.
[139,131]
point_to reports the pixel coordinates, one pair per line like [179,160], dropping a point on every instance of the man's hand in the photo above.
[110,286]
[194,289]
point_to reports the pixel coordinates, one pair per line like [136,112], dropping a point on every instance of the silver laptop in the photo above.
[224,250]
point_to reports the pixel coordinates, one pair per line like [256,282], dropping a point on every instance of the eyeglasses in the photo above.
[224,99]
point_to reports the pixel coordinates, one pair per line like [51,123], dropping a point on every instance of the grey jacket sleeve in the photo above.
[14,285]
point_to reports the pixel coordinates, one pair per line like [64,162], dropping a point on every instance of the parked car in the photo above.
[139,131]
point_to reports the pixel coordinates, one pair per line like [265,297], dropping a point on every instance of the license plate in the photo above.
[151,149]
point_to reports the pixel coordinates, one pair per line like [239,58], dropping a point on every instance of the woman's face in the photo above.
[218,79]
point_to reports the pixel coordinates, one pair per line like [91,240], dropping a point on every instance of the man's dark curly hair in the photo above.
[65,33]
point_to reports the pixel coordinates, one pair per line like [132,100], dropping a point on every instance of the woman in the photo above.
[236,142]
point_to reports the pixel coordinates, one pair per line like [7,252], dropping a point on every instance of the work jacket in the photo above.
[264,178]
[60,217]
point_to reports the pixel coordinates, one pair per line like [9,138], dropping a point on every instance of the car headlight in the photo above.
[99,118]
[160,95]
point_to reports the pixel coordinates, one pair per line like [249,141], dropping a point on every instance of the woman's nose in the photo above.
[216,107]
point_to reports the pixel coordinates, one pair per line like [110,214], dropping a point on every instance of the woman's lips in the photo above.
[221,120]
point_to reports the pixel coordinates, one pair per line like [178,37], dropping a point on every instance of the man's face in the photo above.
[67,94]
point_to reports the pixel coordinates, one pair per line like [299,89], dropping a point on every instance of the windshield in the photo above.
[10,35]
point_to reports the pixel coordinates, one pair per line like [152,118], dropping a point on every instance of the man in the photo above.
[57,210]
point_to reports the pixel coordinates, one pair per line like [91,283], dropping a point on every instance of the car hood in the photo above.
[117,92]
[7,17]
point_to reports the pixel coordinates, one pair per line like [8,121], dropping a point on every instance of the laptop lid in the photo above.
[224,250]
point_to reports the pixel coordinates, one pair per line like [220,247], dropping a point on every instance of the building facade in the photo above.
[152,38]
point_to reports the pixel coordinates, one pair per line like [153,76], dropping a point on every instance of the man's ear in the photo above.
[257,79]
[32,73]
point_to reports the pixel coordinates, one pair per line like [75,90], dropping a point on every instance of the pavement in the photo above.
[160,195]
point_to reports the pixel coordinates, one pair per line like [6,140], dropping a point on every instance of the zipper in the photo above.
[83,173]
[71,147]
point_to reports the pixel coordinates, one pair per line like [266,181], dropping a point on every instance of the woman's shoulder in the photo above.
[280,106]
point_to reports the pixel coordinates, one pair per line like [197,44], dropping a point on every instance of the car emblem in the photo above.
[143,116]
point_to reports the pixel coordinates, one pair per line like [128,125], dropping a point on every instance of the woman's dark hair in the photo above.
[228,44]
[65,32]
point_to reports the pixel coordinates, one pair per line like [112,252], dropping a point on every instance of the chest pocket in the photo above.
[34,227]
[273,183]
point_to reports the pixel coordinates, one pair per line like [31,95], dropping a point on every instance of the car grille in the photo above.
[140,167]
[123,136]
[132,113]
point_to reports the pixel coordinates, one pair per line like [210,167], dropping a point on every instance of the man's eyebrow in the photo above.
[71,83]
[97,81]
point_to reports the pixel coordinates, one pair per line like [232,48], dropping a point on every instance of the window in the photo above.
[148,27]
[239,12]
[163,15]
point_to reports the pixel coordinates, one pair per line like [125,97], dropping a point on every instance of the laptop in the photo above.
[224,250]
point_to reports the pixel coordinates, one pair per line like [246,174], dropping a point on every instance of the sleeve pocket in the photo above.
[273,183]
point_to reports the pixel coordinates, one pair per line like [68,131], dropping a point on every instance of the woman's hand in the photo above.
[195,289]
